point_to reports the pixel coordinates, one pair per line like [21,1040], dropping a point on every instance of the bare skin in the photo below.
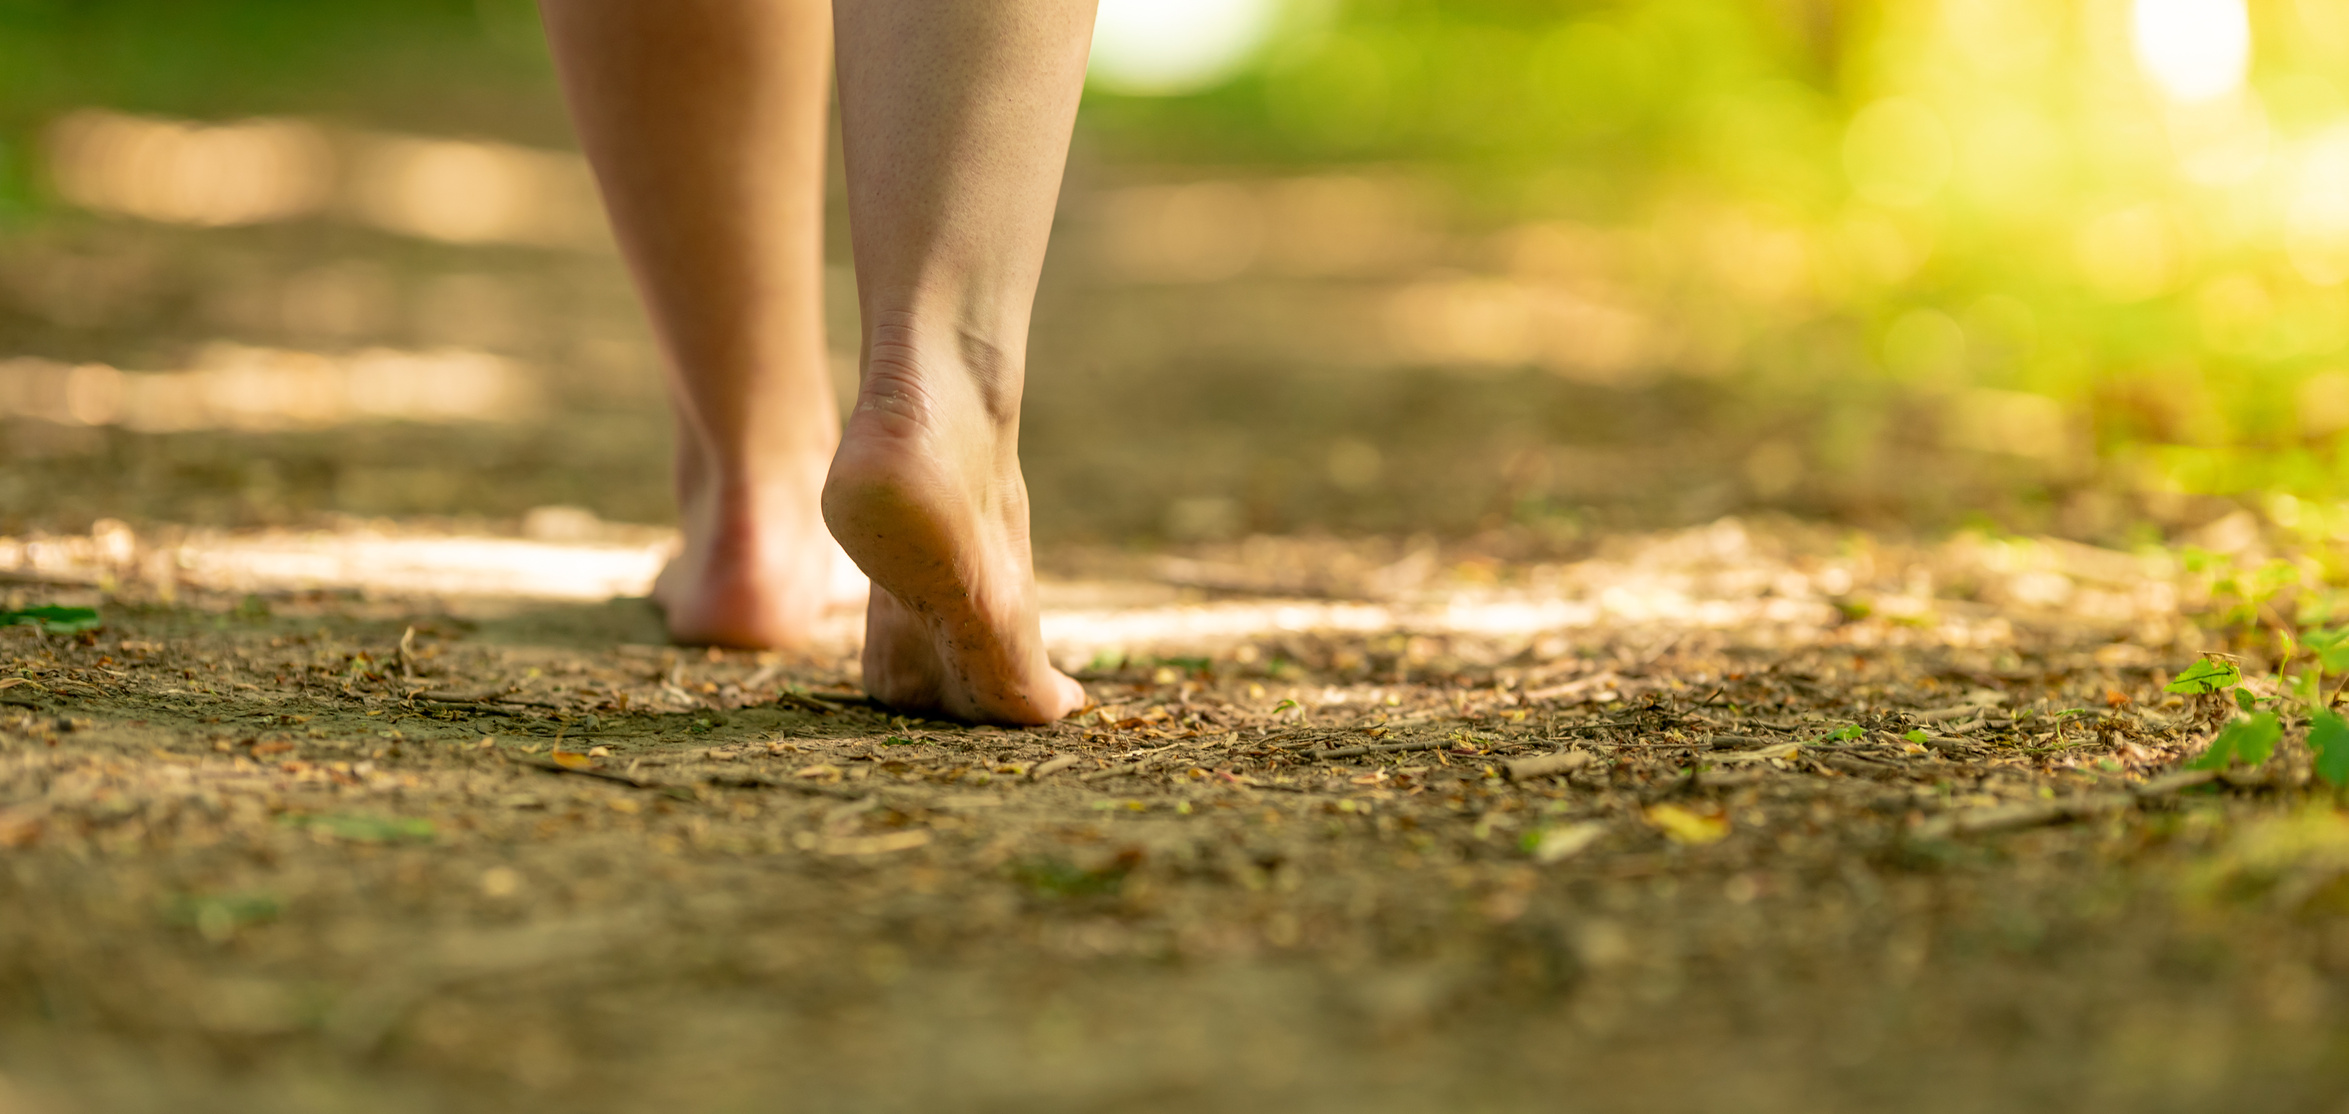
[705,122]
[706,133]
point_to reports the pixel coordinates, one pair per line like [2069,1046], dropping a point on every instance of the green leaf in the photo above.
[2220,752]
[2243,700]
[1106,661]
[2250,738]
[368,829]
[54,620]
[2257,737]
[2207,675]
[1916,735]
[1847,731]
[2331,647]
[223,910]
[2328,737]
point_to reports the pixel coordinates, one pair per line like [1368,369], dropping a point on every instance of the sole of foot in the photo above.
[935,513]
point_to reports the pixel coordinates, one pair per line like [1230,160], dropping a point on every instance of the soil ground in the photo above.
[340,851]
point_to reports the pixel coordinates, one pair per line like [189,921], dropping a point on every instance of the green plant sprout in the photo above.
[2253,733]
[53,620]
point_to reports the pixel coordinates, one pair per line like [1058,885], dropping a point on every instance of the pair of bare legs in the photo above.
[705,121]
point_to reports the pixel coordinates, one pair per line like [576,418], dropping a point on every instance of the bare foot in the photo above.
[759,572]
[926,495]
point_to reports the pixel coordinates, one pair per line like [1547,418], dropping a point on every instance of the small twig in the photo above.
[753,781]
[471,706]
[491,697]
[681,792]
[1140,767]
[544,766]
[1598,723]
[2031,814]
[827,705]
[1381,748]
[1955,711]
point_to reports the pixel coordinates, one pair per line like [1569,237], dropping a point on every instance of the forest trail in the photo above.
[1750,814]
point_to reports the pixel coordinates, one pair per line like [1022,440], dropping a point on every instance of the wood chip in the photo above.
[2007,818]
[1936,715]
[2173,782]
[1781,750]
[1051,766]
[1546,765]
[882,844]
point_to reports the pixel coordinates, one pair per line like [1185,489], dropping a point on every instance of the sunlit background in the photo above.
[1396,266]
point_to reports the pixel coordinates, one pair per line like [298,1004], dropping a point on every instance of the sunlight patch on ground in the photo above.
[246,388]
[266,170]
[1714,578]
[425,566]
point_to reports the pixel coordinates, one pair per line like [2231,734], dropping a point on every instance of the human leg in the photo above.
[956,116]
[705,123]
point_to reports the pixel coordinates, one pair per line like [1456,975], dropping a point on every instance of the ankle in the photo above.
[919,367]
[741,503]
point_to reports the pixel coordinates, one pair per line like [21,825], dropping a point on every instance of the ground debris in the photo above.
[229,828]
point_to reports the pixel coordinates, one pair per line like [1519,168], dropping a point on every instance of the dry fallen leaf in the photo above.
[1552,844]
[1688,826]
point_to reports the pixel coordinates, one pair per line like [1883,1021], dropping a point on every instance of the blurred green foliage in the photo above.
[435,64]
[1982,222]
[1967,204]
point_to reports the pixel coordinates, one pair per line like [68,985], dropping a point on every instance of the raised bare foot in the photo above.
[926,495]
[757,571]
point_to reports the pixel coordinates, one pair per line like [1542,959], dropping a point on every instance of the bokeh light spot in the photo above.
[2317,223]
[1161,47]
[2195,50]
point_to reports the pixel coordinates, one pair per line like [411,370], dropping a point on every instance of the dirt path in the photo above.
[1878,848]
